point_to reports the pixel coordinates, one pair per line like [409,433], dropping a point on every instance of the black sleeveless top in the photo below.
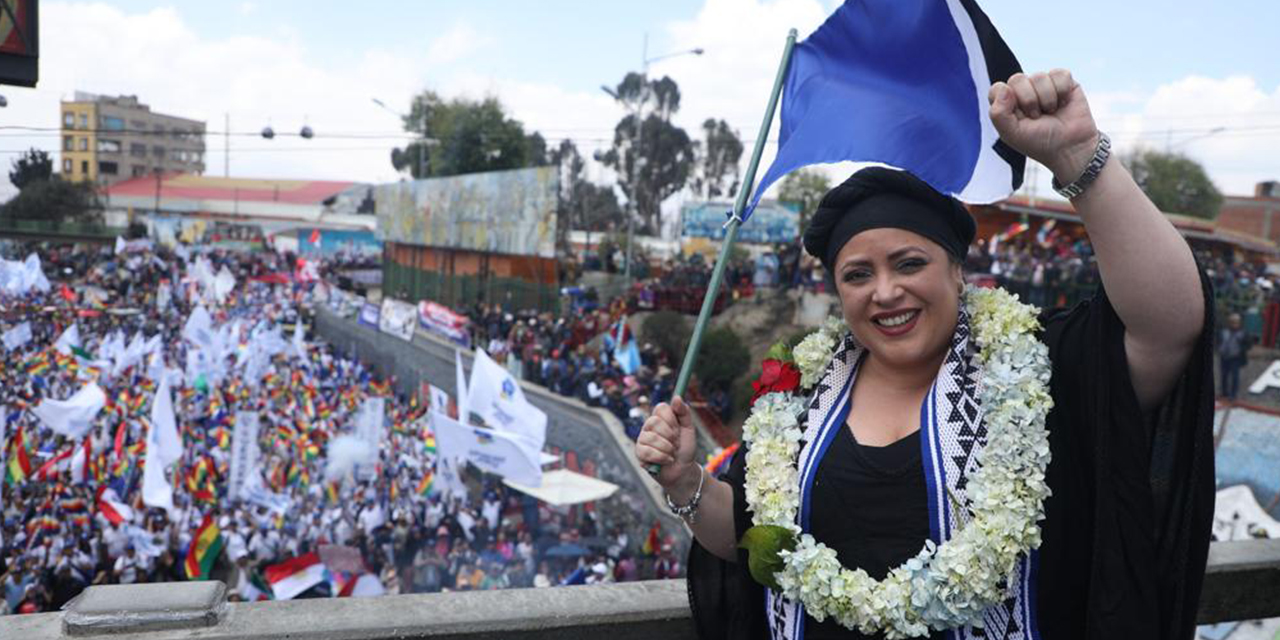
[871,506]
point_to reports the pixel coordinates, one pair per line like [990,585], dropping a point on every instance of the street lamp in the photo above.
[637,113]
[422,154]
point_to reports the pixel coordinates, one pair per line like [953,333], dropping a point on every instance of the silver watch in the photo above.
[1091,170]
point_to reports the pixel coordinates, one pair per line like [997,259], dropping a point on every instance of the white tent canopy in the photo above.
[562,487]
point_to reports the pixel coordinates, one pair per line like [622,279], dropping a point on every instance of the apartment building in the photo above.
[108,139]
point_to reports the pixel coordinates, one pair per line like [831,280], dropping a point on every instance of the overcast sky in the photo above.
[1160,73]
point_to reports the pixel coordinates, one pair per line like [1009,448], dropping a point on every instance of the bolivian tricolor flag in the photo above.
[331,489]
[19,467]
[205,547]
[424,485]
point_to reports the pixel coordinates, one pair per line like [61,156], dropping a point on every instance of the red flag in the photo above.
[67,293]
[315,236]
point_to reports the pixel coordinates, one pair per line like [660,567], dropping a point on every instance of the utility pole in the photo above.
[422,152]
[226,144]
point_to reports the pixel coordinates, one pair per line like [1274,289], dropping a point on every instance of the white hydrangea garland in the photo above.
[944,586]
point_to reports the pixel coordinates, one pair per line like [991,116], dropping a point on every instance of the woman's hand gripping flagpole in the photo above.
[731,233]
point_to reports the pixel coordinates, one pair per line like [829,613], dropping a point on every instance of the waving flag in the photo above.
[290,578]
[903,83]
[204,550]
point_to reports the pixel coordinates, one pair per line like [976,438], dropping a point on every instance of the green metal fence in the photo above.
[56,228]
[409,283]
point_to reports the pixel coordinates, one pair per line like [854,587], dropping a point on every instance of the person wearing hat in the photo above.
[959,461]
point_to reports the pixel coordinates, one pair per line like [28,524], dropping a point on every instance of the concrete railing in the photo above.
[1242,583]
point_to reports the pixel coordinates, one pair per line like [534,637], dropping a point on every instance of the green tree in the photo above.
[653,160]
[669,331]
[722,357]
[30,167]
[55,200]
[718,155]
[465,136]
[1174,182]
[584,205]
[805,189]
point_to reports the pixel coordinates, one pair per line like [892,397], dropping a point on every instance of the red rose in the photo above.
[777,376]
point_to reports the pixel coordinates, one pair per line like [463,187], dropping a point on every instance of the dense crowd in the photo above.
[581,353]
[74,513]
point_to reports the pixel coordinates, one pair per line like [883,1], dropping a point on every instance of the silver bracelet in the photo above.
[688,512]
[1091,170]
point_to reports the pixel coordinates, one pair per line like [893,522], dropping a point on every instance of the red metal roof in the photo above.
[194,187]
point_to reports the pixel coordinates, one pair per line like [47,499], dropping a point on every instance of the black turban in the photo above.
[878,197]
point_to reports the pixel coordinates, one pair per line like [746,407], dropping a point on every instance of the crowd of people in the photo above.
[581,354]
[81,510]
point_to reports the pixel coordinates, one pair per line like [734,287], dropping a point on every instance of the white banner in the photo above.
[279,503]
[493,451]
[397,318]
[496,396]
[17,336]
[244,454]
[370,423]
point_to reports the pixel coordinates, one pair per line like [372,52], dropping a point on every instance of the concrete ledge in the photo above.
[632,611]
[116,609]
[1242,581]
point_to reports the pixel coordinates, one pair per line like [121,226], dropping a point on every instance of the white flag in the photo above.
[299,343]
[164,425]
[509,456]
[439,398]
[69,339]
[74,416]
[156,490]
[17,336]
[33,275]
[223,284]
[464,412]
[496,396]
[199,327]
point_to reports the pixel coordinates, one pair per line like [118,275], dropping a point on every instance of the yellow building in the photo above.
[108,139]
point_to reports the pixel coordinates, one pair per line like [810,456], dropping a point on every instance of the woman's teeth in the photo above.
[894,321]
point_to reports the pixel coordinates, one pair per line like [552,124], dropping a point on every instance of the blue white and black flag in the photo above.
[902,83]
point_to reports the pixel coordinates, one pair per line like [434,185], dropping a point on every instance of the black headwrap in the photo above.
[880,197]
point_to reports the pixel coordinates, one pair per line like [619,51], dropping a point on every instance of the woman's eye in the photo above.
[911,265]
[856,275]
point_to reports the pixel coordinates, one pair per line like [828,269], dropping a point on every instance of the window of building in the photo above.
[68,143]
[84,144]
[112,123]
[84,121]
[84,167]
[138,126]
[108,168]
[108,146]
[138,150]
[139,170]
[69,120]
[157,152]
[160,130]
[66,165]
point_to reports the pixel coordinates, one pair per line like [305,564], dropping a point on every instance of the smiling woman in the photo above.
[958,464]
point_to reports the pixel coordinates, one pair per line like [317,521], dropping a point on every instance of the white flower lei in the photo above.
[944,586]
